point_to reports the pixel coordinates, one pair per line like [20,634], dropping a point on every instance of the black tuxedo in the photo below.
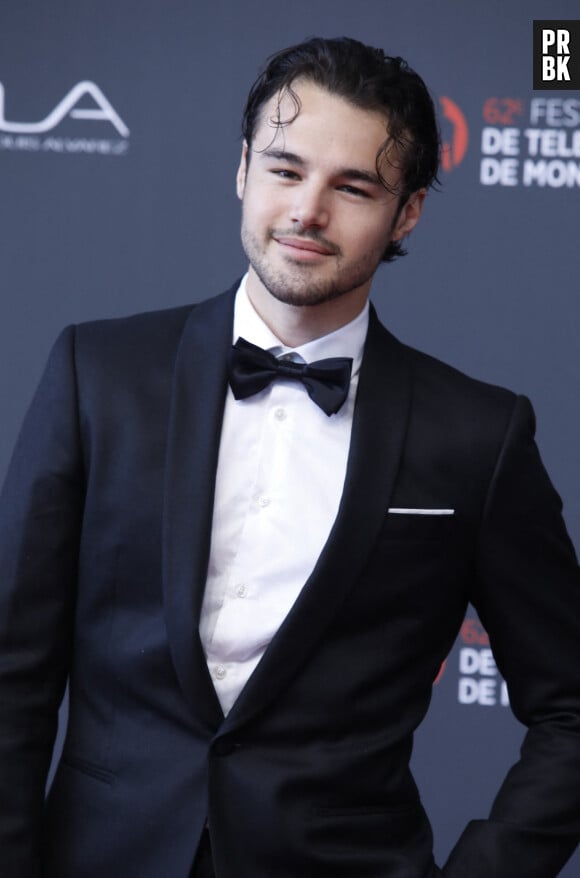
[106,517]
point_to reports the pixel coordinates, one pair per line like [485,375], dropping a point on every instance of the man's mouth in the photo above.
[304,244]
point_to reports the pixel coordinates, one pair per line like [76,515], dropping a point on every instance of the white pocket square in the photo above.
[400,510]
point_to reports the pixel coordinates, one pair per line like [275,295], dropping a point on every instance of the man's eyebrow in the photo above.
[362,176]
[283,155]
[348,173]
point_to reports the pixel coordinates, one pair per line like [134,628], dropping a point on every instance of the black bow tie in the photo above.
[251,369]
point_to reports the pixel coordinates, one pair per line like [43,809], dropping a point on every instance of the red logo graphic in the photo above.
[473,633]
[440,672]
[501,111]
[453,150]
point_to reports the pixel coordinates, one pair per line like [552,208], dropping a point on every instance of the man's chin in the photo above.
[306,297]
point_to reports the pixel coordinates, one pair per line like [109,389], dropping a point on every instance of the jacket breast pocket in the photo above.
[420,526]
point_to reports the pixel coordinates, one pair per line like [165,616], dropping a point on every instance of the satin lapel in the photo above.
[378,432]
[198,394]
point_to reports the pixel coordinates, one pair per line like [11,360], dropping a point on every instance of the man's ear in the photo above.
[409,215]
[242,171]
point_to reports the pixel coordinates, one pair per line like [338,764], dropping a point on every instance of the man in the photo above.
[250,562]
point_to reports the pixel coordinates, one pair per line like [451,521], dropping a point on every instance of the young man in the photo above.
[250,561]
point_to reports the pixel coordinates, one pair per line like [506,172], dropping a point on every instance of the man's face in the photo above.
[316,218]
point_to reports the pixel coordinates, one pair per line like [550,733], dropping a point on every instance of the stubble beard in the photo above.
[294,285]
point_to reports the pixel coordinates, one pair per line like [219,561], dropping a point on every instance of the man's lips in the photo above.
[304,244]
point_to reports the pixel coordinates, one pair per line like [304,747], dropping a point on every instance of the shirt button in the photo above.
[241,591]
[263,501]
[280,414]
[220,672]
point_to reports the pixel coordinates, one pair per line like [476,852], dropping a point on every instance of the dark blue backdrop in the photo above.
[132,206]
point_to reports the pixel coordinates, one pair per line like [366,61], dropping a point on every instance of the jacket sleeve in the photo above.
[40,517]
[528,598]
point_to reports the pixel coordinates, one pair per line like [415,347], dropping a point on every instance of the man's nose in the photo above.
[310,207]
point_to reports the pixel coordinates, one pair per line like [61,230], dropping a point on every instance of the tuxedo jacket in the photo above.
[105,530]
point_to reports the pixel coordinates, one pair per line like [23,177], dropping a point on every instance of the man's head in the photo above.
[369,80]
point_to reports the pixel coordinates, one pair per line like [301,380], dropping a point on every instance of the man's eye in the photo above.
[285,174]
[354,190]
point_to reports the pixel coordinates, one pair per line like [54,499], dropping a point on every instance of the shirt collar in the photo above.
[348,341]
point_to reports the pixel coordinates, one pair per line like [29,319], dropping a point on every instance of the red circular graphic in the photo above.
[453,151]
[440,672]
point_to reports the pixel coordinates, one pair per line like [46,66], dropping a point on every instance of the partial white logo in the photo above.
[25,136]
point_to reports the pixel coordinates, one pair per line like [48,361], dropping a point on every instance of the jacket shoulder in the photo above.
[451,407]
[143,339]
[443,382]
[449,380]
[469,418]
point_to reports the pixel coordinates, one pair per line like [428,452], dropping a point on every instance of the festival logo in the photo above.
[479,682]
[528,143]
[531,144]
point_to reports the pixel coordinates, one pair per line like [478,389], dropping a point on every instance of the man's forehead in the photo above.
[287,105]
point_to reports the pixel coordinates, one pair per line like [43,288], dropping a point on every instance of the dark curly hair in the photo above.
[370,80]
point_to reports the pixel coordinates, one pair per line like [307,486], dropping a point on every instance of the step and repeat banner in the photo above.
[119,143]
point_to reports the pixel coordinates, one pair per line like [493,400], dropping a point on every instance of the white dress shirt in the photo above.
[280,477]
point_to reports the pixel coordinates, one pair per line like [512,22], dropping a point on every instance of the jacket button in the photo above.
[223,747]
